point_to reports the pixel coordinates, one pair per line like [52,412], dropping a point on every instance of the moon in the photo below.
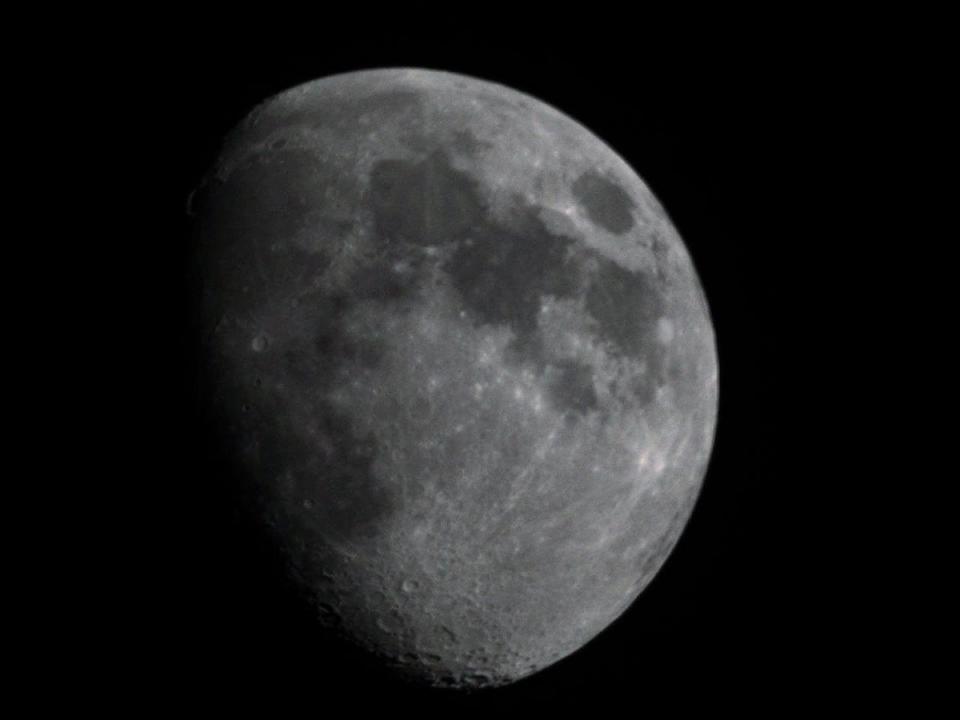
[461,354]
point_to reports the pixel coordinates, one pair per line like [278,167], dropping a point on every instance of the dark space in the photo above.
[720,134]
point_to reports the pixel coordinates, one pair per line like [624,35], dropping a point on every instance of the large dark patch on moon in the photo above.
[607,204]
[474,393]
[425,202]
[502,270]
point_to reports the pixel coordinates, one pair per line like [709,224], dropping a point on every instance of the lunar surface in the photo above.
[463,356]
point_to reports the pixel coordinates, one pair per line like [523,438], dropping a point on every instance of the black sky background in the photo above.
[725,133]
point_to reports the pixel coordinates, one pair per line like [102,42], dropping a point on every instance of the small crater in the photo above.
[260,343]
[478,679]
[385,626]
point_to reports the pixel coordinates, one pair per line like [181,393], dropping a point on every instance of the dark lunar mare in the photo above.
[607,204]
[245,264]
[503,270]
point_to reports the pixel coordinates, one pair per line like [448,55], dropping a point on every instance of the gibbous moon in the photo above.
[457,347]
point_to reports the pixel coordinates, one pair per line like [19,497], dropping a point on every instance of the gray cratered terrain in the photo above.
[461,352]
